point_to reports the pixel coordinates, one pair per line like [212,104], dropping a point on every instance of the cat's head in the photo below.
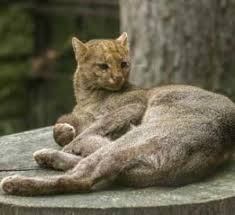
[103,64]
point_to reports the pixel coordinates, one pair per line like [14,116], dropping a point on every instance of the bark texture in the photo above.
[182,41]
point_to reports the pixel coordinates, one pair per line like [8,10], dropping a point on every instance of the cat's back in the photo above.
[178,101]
[185,112]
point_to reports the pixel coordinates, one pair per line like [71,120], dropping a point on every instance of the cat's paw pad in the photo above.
[43,157]
[10,184]
[64,133]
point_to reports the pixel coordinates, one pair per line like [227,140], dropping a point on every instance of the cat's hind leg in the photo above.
[80,179]
[31,186]
[104,164]
[54,159]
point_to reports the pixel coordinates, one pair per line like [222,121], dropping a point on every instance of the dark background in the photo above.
[36,57]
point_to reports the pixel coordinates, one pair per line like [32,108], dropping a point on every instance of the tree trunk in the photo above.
[181,41]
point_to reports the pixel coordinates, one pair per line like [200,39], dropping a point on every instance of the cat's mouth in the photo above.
[113,89]
[114,86]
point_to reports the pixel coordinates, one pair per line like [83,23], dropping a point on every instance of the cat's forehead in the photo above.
[107,48]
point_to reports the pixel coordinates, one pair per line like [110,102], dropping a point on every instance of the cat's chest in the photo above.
[106,106]
[114,102]
[99,109]
[110,104]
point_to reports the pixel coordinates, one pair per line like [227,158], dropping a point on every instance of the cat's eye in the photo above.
[103,66]
[124,64]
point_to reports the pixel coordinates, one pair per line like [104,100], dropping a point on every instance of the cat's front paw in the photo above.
[11,184]
[64,133]
[45,157]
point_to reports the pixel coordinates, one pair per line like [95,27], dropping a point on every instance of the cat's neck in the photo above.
[85,93]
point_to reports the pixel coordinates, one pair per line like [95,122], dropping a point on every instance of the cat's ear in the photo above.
[123,39]
[79,48]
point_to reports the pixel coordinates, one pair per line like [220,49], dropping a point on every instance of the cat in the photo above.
[164,136]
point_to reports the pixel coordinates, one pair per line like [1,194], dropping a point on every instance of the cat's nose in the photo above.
[117,78]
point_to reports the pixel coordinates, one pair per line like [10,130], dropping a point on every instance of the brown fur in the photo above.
[171,135]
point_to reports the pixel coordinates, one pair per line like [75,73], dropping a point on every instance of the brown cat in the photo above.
[169,136]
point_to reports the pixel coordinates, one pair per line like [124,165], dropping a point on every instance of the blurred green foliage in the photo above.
[16,38]
[28,102]
[16,31]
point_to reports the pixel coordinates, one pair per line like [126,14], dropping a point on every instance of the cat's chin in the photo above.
[113,88]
